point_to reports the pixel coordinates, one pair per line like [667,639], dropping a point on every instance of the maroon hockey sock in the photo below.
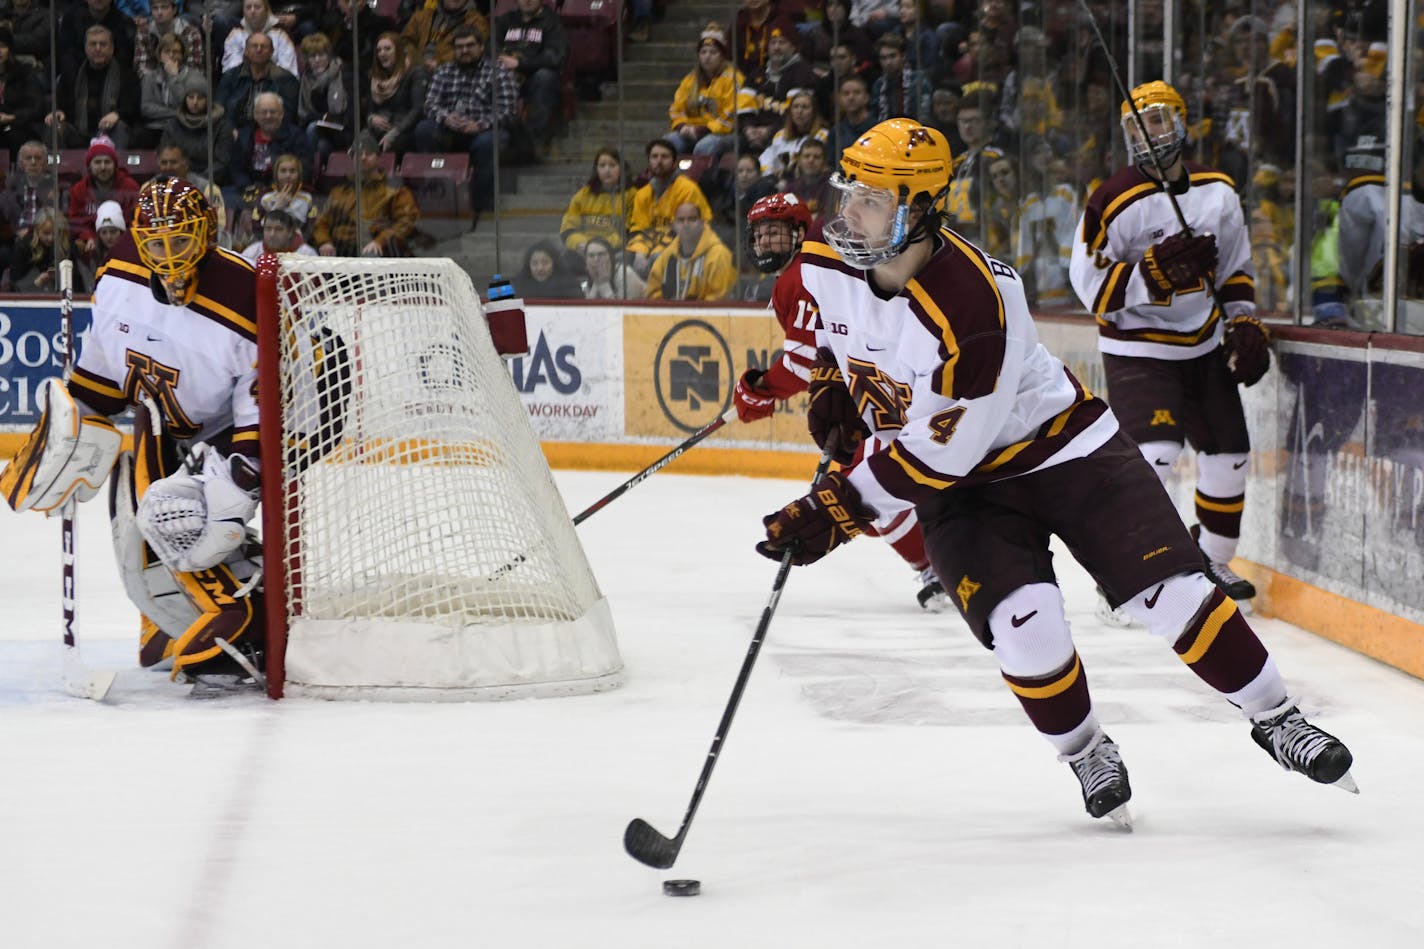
[1220,646]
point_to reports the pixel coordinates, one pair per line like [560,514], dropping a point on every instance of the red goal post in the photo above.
[415,546]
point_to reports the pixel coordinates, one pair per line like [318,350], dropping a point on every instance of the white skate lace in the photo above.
[1224,573]
[1295,741]
[1097,766]
[927,576]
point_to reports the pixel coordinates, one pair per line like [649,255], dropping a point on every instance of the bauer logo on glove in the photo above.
[816,524]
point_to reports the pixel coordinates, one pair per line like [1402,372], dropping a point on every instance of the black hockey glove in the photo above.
[817,523]
[1178,263]
[832,409]
[1248,349]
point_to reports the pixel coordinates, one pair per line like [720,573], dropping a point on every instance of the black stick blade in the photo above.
[647,846]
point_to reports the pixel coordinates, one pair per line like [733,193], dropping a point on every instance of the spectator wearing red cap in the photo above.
[104,181]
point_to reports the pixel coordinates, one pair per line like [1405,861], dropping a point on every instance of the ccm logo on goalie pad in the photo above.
[67,455]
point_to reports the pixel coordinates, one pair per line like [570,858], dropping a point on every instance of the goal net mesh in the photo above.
[427,550]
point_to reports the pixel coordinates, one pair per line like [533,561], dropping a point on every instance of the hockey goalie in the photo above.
[174,337]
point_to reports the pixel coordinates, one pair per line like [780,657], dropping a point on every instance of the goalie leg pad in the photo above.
[150,585]
[67,455]
[223,614]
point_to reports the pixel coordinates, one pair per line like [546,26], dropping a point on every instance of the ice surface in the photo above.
[880,787]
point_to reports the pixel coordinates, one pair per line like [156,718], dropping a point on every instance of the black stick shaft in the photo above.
[644,843]
[656,466]
[68,597]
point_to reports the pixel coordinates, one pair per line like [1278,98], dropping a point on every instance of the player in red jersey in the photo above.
[779,224]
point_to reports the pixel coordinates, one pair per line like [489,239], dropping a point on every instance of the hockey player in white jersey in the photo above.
[928,343]
[173,337]
[1362,218]
[1172,360]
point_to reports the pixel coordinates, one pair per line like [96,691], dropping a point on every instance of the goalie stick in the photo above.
[642,841]
[79,680]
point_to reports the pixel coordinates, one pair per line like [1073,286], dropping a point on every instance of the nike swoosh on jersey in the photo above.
[1238,466]
[1020,620]
[1151,601]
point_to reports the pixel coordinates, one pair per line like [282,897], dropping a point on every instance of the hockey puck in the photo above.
[682,887]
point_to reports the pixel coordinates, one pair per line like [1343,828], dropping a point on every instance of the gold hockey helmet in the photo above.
[893,168]
[1164,113]
[174,227]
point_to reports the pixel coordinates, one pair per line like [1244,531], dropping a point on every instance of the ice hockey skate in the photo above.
[1284,734]
[932,596]
[1229,581]
[1102,774]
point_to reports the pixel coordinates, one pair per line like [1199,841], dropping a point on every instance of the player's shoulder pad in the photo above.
[957,299]
[1125,187]
[227,292]
[1205,174]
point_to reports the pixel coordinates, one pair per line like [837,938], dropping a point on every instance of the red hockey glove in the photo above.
[1248,349]
[1178,263]
[832,409]
[752,401]
[816,524]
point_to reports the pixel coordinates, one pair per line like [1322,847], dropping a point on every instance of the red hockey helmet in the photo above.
[773,247]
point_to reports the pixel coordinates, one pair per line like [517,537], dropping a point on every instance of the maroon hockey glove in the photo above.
[1248,349]
[832,409]
[752,401]
[1178,263]
[816,524]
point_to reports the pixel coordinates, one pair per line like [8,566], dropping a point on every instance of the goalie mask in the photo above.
[1164,113]
[174,227]
[777,226]
[896,168]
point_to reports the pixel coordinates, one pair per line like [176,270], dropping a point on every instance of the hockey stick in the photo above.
[728,416]
[79,680]
[654,468]
[1142,130]
[640,839]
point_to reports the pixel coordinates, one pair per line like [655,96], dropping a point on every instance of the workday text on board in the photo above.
[571,382]
[31,350]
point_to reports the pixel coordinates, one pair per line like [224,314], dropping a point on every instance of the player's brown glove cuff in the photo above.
[816,524]
[1248,349]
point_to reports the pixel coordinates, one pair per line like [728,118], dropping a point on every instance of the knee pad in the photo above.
[1222,476]
[1031,634]
[1161,456]
[1167,608]
[149,584]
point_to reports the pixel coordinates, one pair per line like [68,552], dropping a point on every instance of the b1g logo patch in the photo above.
[693,374]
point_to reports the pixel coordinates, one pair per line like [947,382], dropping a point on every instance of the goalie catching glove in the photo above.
[816,524]
[68,455]
[1248,349]
[193,522]
[1178,263]
[832,409]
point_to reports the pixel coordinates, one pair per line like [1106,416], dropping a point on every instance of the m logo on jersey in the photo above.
[150,379]
[966,590]
[1162,417]
[871,387]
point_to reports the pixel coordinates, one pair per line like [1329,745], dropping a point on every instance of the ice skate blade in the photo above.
[1116,618]
[1121,817]
[1346,783]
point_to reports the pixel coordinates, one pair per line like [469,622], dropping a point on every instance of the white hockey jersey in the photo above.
[1129,213]
[949,375]
[196,363]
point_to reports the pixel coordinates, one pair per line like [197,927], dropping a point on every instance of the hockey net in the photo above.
[415,544]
